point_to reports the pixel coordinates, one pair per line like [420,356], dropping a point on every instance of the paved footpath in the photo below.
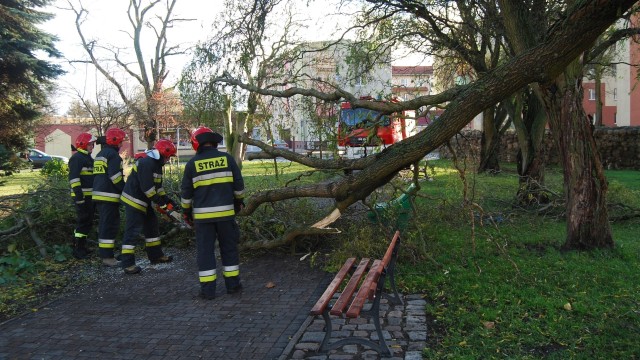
[157,315]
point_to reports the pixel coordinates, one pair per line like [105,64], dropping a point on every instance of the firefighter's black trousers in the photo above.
[228,235]
[84,218]
[108,227]
[138,223]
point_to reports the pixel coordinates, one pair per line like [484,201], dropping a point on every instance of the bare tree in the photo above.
[252,41]
[104,110]
[148,70]
[467,40]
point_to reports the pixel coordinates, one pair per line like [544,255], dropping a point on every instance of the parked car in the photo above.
[280,144]
[38,158]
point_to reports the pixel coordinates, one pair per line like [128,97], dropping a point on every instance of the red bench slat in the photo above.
[363,294]
[341,304]
[389,253]
[322,303]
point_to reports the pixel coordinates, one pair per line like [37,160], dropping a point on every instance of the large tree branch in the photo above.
[340,94]
[612,39]
[541,63]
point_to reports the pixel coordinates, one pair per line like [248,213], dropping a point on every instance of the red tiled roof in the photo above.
[412,70]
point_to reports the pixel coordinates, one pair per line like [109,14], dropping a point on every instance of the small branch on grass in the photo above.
[14,230]
[505,253]
[287,238]
[628,212]
[34,235]
[423,250]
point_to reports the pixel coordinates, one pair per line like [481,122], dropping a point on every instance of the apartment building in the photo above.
[305,123]
[619,91]
[410,82]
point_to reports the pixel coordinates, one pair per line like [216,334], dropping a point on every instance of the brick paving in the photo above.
[404,328]
[157,315]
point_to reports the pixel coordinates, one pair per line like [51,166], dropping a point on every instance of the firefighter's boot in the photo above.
[133,269]
[80,248]
[208,290]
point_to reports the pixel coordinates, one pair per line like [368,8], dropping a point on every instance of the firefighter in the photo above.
[142,190]
[212,193]
[107,186]
[81,182]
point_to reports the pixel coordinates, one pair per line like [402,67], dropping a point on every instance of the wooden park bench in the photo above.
[356,294]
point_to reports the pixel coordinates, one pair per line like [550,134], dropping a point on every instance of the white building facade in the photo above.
[309,122]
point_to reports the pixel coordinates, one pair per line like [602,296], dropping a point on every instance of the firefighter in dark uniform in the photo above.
[142,190]
[107,187]
[81,182]
[212,193]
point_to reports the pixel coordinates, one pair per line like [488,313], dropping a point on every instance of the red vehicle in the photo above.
[363,131]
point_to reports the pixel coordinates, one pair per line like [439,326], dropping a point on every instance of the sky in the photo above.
[107,23]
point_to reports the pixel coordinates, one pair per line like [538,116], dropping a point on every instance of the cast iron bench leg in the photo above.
[395,298]
[327,331]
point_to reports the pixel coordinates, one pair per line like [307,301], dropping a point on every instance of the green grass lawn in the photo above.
[17,183]
[509,292]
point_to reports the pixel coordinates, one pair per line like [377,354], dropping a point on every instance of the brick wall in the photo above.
[619,147]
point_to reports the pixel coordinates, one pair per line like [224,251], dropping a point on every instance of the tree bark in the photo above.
[585,186]
[530,119]
[490,143]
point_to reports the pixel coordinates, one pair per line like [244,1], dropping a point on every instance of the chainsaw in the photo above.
[171,215]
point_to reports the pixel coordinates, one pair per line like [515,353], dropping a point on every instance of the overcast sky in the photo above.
[107,22]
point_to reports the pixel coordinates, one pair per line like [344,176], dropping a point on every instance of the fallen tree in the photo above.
[566,39]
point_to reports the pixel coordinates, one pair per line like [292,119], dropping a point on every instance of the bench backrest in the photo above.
[387,256]
[367,287]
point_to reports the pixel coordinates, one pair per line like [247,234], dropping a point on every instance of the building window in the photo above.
[592,94]
[615,94]
[615,119]
[403,82]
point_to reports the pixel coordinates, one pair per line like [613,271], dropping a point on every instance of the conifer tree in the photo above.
[25,77]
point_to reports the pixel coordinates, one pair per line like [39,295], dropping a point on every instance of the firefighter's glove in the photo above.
[78,195]
[238,205]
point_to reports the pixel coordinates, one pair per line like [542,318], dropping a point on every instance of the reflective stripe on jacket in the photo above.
[81,174]
[144,185]
[108,179]
[212,181]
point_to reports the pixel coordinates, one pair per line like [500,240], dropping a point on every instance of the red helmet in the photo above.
[115,136]
[166,148]
[83,140]
[206,135]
